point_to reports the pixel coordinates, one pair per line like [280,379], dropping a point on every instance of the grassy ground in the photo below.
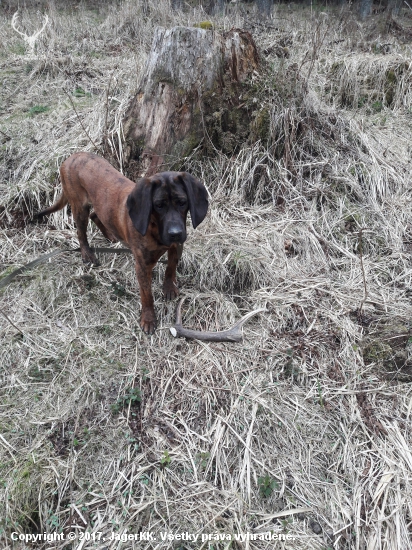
[305,428]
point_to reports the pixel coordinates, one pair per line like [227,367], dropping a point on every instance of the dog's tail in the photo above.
[58,205]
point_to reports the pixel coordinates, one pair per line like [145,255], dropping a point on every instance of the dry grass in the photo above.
[295,404]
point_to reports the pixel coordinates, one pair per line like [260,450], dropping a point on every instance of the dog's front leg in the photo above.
[170,288]
[144,277]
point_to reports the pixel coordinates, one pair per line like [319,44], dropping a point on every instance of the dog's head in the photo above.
[168,196]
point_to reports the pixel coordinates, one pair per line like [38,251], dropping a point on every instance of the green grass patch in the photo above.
[37,110]
[80,92]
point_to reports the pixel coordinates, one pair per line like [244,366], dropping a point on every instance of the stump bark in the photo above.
[190,92]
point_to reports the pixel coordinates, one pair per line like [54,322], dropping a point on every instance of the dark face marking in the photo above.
[170,207]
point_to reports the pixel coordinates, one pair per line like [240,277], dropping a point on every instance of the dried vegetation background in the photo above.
[305,428]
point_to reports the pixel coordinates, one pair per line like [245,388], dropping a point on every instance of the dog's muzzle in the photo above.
[175,234]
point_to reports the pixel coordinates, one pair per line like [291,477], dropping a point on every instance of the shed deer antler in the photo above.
[31,40]
[233,334]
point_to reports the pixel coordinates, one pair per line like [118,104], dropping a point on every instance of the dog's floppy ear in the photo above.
[139,205]
[197,197]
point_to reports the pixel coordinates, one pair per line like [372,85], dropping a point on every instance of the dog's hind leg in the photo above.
[81,217]
[93,216]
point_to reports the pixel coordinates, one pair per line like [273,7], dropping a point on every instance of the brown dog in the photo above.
[149,216]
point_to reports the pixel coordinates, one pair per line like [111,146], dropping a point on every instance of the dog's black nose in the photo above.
[175,234]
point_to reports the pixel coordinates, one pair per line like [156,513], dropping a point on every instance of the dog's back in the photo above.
[87,179]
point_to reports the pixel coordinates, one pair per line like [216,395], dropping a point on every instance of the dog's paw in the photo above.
[170,290]
[90,259]
[111,238]
[148,323]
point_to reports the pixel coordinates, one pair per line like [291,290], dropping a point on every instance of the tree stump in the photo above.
[192,90]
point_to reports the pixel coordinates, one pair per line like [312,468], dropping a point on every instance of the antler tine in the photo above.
[179,313]
[233,334]
[38,33]
[13,24]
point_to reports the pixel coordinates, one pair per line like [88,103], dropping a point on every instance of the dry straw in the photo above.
[103,429]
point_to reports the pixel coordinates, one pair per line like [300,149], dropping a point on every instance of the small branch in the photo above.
[107,111]
[365,289]
[10,321]
[8,138]
[233,334]
[81,123]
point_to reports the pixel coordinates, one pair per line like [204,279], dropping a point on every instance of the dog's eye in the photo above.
[160,205]
[182,202]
